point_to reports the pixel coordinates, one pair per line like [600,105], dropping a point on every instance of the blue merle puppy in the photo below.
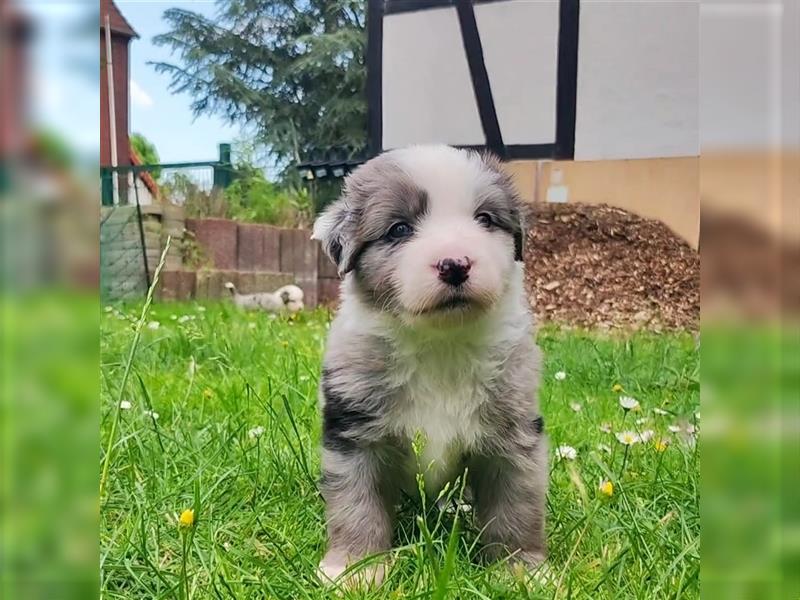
[434,338]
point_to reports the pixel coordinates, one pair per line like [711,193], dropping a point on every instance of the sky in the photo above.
[65,82]
[165,118]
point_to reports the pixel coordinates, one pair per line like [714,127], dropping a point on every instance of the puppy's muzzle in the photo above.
[454,271]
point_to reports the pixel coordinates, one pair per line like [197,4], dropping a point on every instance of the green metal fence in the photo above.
[128,251]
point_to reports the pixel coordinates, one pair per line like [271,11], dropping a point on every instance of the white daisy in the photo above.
[674,428]
[255,432]
[660,411]
[153,325]
[605,427]
[560,376]
[124,405]
[575,406]
[628,403]
[566,453]
[646,435]
[628,438]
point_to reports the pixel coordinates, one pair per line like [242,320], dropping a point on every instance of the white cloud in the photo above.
[139,97]
[47,93]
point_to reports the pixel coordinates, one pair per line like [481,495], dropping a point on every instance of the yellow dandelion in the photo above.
[606,488]
[284,343]
[616,388]
[187,518]
[208,393]
[661,444]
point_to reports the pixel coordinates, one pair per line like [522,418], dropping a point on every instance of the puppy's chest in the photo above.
[439,404]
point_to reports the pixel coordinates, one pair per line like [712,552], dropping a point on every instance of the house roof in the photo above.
[119,24]
[146,178]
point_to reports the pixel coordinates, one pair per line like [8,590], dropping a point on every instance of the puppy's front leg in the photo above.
[510,504]
[358,511]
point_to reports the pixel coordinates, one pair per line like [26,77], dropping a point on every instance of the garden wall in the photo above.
[206,253]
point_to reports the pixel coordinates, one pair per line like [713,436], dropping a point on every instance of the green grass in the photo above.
[213,374]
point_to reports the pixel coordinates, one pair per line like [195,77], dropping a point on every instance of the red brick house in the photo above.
[15,32]
[121,35]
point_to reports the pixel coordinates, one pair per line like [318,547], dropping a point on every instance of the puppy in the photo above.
[434,336]
[288,298]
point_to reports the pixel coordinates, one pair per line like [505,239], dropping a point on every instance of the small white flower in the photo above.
[152,414]
[201,309]
[646,435]
[560,376]
[255,432]
[575,406]
[251,325]
[660,411]
[641,421]
[604,448]
[605,427]
[674,428]
[566,453]
[628,438]
[628,403]
[124,405]
[153,325]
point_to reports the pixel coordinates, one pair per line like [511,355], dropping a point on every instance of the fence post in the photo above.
[223,169]
[107,187]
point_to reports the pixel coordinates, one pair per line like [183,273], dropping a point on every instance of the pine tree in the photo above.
[291,71]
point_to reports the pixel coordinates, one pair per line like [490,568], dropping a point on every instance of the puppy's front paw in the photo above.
[528,566]
[335,564]
[331,567]
[530,559]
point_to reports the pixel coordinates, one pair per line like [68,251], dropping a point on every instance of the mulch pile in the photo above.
[599,266]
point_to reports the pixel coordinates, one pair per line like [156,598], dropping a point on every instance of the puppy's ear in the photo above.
[336,229]
[285,297]
[494,164]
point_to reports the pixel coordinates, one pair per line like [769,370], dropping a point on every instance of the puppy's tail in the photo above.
[231,287]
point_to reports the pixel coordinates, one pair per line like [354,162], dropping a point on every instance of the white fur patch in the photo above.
[444,389]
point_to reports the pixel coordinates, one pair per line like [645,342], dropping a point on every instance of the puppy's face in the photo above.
[428,232]
[292,298]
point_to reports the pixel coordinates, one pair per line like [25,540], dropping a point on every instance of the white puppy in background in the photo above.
[288,298]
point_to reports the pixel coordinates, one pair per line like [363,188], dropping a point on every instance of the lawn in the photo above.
[219,414]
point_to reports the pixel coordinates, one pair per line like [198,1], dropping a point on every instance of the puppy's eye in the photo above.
[485,219]
[399,231]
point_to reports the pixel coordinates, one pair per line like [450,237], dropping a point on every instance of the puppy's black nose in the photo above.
[454,271]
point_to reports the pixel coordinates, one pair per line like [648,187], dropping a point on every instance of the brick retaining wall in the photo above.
[255,257]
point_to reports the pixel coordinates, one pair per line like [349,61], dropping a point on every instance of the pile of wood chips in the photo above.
[603,267]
